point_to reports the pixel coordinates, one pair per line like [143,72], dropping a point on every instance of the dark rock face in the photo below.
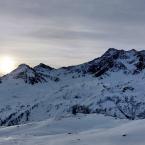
[141,64]
[80,109]
[30,79]
[115,60]
[100,66]
[128,106]
[18,117]
[26,73]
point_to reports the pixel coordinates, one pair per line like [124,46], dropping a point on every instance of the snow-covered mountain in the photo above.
[112,84]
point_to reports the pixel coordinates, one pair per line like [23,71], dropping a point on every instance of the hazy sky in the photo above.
[66,32]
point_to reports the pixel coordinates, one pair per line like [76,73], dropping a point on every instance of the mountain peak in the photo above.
[23,66]
[42,66]
[26,73]
[127,61]
[111,51]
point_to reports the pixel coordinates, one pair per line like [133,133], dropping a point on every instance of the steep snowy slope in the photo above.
[79,130]
[113,85]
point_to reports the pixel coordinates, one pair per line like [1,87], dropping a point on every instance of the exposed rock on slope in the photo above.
[27,74]
[112,84]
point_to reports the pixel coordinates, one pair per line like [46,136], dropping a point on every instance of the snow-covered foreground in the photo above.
[80,130]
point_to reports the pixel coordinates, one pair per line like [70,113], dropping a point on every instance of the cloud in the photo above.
[63,32]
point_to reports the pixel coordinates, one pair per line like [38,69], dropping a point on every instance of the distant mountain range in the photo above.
[113,84]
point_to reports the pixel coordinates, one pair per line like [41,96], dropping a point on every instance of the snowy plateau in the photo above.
[99,102]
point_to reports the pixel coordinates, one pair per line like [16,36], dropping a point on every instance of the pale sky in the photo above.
[68,32]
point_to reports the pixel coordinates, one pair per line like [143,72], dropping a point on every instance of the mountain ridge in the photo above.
[112,84]
[110,51]
[93,67]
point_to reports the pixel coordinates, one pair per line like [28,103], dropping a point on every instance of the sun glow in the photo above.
[7,64]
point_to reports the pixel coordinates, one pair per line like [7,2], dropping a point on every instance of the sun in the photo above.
[7,64]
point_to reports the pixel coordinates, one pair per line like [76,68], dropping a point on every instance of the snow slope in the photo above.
[113,85]
[79,130]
